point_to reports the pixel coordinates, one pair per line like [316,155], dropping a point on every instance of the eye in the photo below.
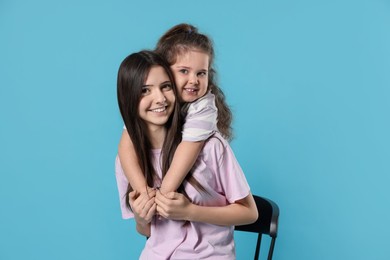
[145,91]
[202,74]
[184,71]
[166,87]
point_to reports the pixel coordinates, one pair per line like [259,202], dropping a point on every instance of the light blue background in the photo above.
[308,82]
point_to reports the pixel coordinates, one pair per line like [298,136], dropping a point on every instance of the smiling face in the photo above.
[158,99]
[191,75]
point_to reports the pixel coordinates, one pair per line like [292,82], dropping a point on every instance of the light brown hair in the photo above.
[183,38]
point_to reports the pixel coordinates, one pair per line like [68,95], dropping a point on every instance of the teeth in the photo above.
[190,89]
[158,110]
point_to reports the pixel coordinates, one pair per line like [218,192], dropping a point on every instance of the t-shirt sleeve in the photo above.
[229,173]
[201,119]
[122,184]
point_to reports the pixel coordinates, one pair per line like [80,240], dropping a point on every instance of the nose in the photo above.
[160,97]
[193,79]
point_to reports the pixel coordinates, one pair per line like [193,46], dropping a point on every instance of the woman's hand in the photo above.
[173,205]
[144,208]
[177,207]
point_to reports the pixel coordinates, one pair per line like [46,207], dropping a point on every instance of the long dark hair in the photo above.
[132,75]
[186,37]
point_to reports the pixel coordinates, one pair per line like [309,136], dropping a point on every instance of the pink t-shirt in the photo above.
[218,171]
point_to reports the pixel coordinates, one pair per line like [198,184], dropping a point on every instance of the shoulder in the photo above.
[216,141]
[207,100]
[215,146]
[205,103]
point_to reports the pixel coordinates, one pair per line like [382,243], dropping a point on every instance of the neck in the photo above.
[157,137]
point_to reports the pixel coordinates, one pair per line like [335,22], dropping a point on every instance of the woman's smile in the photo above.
[157,101]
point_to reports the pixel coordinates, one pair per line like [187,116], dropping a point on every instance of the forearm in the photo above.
[183,160]
[177,207]
[143,229]
[240,213]
[129,162]
[144,208]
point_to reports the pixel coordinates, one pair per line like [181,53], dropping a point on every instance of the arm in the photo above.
[176,206]
[183,160]
[129,162]
[200,124]
[144,208]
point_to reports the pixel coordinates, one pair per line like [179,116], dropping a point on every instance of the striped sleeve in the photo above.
[201,119]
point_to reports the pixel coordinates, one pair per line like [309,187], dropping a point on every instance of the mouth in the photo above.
[191,90]
[159,109]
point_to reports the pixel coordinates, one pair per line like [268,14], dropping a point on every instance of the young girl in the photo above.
[190,55]
[200,227]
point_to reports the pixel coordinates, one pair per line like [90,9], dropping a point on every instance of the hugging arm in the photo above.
[183,160]
[201,116]
[130,164]
[176,206]
[221,162]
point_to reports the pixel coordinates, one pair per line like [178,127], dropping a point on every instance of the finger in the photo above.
[151,193]
[171,199]
[140,202]
[149,203]
[161,199]
[132,197]
[145,207]
[151,212]
[166,198]
[172,195]
[160,210]
[149,189]
[159,195]
[144,197]
[162,204]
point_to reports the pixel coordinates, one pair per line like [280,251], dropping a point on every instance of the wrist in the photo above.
[143,229]
[191,214]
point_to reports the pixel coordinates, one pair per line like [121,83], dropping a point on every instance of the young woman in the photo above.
[190,55]
[199,223]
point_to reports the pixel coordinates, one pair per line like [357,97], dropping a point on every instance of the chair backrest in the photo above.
[267,223]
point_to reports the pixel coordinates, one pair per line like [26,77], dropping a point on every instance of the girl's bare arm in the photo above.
[183,160]
[129,162]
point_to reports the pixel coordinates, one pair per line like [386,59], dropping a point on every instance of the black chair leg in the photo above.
[271,249]
[258,247]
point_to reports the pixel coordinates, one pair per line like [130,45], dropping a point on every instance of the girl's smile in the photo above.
[191,75]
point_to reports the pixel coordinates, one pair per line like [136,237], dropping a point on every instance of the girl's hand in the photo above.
[173,205]
[143,205]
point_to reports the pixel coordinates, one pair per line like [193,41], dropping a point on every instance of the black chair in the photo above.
[267,223]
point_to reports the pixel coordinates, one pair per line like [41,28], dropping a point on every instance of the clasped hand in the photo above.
[146,204]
